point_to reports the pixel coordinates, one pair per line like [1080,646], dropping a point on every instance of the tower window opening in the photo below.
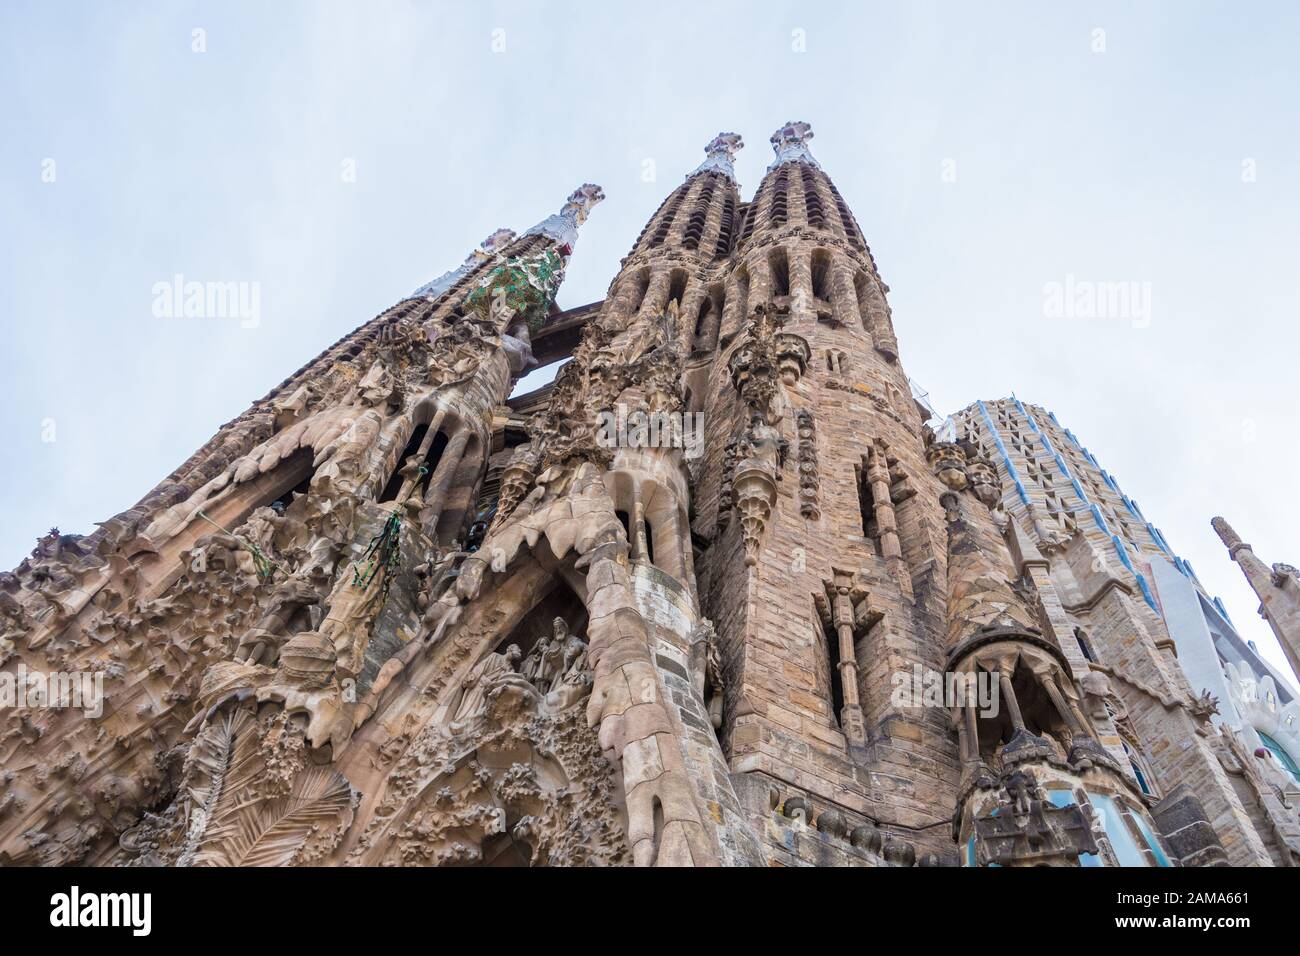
[867,508]
[747,213]
[666,218]
[779,212]
[724,232]
[431,459]
[1137,769]
[832,640]
[780,272]
[649,542]
[821,271]
[695,227]
[812,201]
[1084,645]
[677,286]
[709,317]
[862,289]
[301,488]
[706,310]
[642,287]
[846,218]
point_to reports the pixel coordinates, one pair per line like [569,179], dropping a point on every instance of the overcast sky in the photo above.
[339,155]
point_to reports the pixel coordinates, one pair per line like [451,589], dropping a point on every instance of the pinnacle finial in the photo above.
[1229,537]
[720,155]
[563,226]
[790,143]
[582,199]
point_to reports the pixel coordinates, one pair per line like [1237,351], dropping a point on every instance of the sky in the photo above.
[334,156]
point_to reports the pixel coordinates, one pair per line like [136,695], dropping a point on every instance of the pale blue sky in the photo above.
[225,165]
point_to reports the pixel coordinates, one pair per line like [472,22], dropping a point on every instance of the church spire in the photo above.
[790,143]
[1278,588]
[563,226]
[720,156]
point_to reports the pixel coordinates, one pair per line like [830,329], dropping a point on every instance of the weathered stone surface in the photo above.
[391,615]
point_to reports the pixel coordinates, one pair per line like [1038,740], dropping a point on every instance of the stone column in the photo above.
[1047,680]
[692,299]
[441,480]
[851,719]
[1013,705]
[969,715]
[882,504]
[422,452]
[878,320]
[760,284]
[623,303]
[1278,588]
[886,520]
[801,287]
[733,306]
[656,296]
[844,303]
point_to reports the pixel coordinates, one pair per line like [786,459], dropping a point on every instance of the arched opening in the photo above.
[676,287]
[867,506]
[649,541]
[1084,644]
[780,272]
[702,320]
[1138,772]
[1038,713]
[862,289]
[708,320]
[821,274]
[831,654]
[431,459]
[287,497]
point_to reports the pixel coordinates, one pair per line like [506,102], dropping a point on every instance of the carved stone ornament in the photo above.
[1029,830]
[809,482]
[948,461]
[720,155]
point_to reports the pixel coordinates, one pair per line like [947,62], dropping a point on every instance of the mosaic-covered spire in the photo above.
[488,248]
[790,143]
[720,155]
[563,226]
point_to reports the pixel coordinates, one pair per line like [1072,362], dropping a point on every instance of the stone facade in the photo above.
[392,615]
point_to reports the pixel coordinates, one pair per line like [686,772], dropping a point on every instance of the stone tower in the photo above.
[1278,588]
[717,595]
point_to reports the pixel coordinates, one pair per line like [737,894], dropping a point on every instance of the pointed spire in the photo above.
[1231,540]
[720,156]
[790,143]
[488,248]
[563,226]
[1278,588]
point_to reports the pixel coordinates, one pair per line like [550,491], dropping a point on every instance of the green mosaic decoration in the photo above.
[527,285]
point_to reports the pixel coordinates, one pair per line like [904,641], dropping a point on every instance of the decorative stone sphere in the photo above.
[833,823]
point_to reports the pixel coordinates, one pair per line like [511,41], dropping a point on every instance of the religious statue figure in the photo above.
[493,672]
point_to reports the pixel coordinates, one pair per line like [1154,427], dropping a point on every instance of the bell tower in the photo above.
[822,553]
